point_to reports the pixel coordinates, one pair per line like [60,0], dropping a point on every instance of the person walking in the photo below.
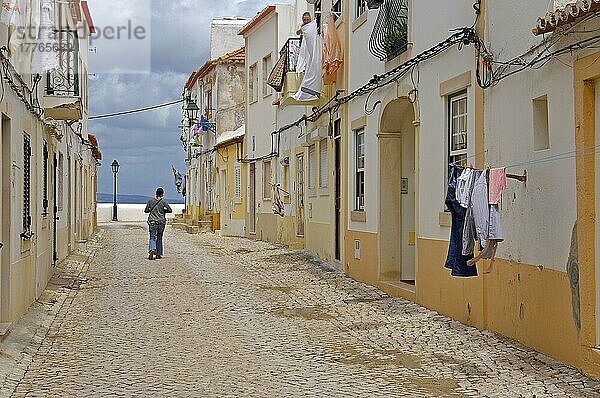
[156,209]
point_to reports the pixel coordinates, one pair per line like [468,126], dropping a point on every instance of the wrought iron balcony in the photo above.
[64,80]
[288,60]
[286,79]
[390,34]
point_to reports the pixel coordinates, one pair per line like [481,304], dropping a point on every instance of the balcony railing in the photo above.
[390,34]
[64,80]
[288,60]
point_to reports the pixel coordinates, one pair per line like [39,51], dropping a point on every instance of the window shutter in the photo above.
[324,165]
[312,167]
[45,203]
[267,188]
[237,175]
[26,184]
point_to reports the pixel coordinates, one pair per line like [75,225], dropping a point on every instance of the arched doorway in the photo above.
[397,185]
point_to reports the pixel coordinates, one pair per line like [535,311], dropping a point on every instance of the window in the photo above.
[318,13]
[45,179]
[61,181]
[253,84]
[209,104]
[26,187]
[336,8]
[457,128]
[360,8]
[286,178]
[312,167]
[267,66]
[324,164]
[267,187]
[237,176]
[541,132]
[360,169]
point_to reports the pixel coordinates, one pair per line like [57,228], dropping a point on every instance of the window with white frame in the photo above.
[267,187]
[359,143]
[312,167]
[323,164]
[253,84]
[457,128]
[360,8]
[267,65]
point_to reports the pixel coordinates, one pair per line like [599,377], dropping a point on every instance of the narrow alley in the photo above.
[230,317]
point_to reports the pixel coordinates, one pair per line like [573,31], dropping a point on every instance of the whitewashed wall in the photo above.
[538,216]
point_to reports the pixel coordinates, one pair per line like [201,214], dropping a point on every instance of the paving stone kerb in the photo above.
[230,317]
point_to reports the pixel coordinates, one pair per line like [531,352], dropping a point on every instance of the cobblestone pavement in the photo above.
[228,317]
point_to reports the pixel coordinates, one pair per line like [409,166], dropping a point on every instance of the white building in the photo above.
[48,159]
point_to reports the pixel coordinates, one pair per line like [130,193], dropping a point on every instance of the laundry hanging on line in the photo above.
[310,61]
[333,56]
[46,59]
[473,199]
[278,206]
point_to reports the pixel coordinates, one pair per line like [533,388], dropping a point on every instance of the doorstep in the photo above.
[399,289]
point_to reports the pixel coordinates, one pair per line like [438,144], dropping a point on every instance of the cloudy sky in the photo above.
[177,39]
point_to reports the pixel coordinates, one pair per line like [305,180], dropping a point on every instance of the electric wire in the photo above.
[149,108]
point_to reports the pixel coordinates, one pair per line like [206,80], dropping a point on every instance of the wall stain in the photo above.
[573,273]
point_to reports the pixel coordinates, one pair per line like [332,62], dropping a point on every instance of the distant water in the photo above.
[130,212]
[133,199]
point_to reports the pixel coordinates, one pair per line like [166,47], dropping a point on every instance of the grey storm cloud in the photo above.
[178,41]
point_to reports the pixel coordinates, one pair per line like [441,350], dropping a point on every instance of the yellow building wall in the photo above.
[458,298]
[533,306]
[286,233]
[519,301]
[22,286]
[366,269]
[586,73]
[226,160]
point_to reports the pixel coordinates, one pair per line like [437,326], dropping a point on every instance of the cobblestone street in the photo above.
[228,317]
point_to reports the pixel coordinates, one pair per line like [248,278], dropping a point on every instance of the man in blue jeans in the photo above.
[157,208]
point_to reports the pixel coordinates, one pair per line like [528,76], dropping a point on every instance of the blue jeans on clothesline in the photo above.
[156,238]
[456,261]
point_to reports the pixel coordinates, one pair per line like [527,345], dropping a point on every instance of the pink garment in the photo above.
[497,183]
[333,56]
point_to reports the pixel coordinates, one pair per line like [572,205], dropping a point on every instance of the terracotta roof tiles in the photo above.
[570,13]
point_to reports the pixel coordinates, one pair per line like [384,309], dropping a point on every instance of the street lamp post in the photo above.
[115,169]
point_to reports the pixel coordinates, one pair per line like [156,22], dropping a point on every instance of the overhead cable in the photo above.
[149,108]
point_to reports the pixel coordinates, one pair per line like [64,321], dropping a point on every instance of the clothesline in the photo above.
[587,151]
